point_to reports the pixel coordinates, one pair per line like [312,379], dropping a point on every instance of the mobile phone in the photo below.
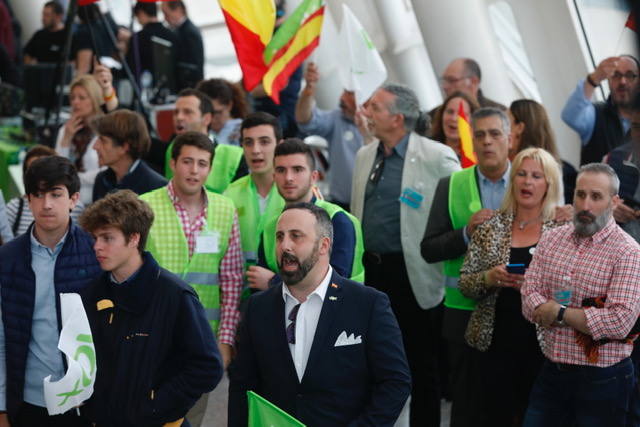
[516,268]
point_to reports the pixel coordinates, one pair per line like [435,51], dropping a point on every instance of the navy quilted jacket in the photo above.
[76,266]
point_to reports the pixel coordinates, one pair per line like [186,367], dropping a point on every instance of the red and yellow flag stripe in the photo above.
[289,57]
[251,24]
[468,156]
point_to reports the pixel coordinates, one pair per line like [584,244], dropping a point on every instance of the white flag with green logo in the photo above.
[76,343]
[362,69]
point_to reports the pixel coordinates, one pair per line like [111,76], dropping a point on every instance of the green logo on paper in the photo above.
[88,352]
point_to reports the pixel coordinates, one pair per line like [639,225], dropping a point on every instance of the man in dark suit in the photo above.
[323,348]
[190,50]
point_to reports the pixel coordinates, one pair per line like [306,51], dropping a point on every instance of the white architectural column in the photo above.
[557,56]
[406,53]
[461,28]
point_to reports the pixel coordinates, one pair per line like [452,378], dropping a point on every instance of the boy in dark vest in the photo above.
[54,256]
[156,354]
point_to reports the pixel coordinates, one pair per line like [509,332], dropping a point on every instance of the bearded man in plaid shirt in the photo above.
[583,290]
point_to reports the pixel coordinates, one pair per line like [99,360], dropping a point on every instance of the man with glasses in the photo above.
[602,126]
[464,75]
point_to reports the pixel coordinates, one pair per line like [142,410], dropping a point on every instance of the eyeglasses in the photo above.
[376,173]
[629,76]
[451,80]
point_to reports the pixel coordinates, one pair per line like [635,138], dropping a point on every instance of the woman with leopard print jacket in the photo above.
[509,355]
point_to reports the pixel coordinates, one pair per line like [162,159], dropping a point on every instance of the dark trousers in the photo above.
[31,416]
[465,363]
[420,334]
[588,395]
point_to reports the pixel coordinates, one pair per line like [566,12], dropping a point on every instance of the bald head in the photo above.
[462,74]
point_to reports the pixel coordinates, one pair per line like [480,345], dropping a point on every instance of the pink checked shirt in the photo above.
[230,267]
[607,263]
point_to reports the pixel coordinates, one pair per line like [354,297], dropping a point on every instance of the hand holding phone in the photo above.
[516,268]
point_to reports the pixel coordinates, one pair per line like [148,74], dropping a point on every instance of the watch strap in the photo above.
[560,317]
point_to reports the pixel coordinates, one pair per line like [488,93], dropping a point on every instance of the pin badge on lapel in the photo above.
[332,298]
[333,285]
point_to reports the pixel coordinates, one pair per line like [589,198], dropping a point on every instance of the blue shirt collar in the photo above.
[503,180]
[127,280]
[401,148]
[38,247]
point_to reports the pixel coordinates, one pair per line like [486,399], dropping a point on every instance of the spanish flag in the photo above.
[251,24]
[294,41]
[269,59]
[468,157]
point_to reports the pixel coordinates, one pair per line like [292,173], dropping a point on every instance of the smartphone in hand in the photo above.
[516,268]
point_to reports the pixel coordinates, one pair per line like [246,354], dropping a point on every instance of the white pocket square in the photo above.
[343,339]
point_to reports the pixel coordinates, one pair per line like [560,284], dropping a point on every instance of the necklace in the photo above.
[523,224]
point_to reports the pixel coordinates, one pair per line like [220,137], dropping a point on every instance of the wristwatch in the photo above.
[560,317]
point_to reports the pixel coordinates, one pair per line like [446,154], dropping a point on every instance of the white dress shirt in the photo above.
[306,321]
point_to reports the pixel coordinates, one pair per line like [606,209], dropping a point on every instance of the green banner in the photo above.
[263,413]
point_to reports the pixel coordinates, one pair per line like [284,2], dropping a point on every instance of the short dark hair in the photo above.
[295,146]
[48,172]
[176,4]
[261,118]
[36,151]
[89,13]
[226,92]
[122,210]
[324,227]
[125,126]
[194,139]
[149,9]
[205,101]
[55,6]
[472,69]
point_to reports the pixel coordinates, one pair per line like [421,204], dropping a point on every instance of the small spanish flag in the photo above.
[468,157]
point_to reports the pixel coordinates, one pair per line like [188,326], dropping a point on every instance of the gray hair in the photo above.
[489,112]
[472,69]
[604,169]
[405,103]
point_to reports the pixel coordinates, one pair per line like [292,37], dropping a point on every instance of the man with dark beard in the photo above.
[325,349]
[582,290]
[602,126]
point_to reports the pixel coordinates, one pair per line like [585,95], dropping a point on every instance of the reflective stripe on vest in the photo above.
[244,195]
[357,268]
[168,245]
[464,201]
[225,164]
[201,278]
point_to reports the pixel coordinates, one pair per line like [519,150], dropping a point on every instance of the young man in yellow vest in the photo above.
[196,236]
[295,175]
[256,196]
[193,112]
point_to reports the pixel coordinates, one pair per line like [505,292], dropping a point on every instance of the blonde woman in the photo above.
[76,138]
[509,356]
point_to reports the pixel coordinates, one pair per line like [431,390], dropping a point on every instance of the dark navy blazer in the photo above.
[360,384]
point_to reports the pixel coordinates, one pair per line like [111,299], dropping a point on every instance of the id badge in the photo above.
[207,242]
[411,198]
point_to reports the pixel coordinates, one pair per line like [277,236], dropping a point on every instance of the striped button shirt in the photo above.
[607,263]
[231,273]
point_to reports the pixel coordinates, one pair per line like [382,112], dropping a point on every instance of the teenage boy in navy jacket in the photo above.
[156,353]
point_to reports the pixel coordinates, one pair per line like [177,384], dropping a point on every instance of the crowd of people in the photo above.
[211,264]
